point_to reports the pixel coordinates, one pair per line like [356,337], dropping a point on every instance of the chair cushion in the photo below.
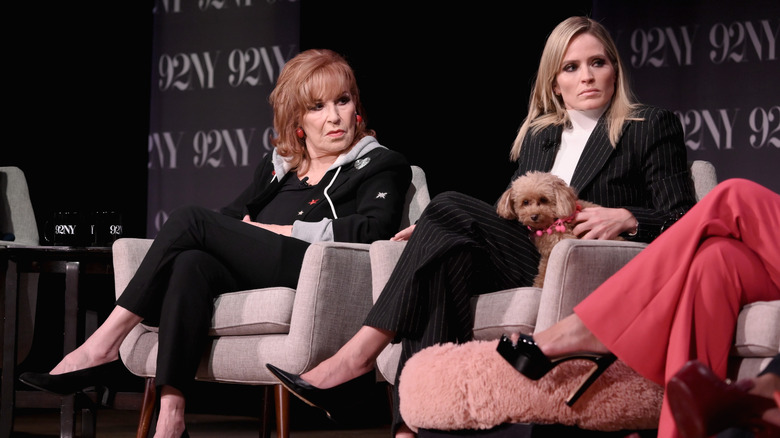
[251,312]
[504,312]
[758,330]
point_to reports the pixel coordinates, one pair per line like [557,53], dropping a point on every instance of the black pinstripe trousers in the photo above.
[197,255]
[459,248]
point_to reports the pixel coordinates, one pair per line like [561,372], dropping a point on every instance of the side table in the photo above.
[74,262]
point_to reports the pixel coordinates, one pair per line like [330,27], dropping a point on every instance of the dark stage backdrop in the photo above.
[715,64]
[214,63]
[448,93]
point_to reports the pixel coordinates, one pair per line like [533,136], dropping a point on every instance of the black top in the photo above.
[368,195]
[287,206]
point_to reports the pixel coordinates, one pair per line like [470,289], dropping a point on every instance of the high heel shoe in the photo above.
[702,404]
[74,381]
[331,400]
[529,360]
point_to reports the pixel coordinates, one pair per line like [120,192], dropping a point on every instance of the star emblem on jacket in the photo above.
[313,201]
[381,195]
[361,163]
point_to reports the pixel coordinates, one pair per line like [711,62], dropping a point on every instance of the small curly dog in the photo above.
[547,206]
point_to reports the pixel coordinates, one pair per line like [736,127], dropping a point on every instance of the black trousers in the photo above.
[197,255]
[459,249]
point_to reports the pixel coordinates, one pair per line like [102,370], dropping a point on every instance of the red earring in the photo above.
[359,119]
[299,132]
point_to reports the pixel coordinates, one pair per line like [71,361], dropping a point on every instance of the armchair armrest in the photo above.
[384,256]
[575,269]
[331,300]
[127,253]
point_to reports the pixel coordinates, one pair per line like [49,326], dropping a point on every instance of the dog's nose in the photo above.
[534,217]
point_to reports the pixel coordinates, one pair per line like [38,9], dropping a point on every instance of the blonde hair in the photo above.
[311,76]
[545,108]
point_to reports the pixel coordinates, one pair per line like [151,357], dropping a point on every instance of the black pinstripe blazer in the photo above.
[647,173]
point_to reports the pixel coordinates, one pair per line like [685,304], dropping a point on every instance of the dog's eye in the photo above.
[544,201]
[526,202]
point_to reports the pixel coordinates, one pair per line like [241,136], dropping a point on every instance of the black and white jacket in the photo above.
[360,199]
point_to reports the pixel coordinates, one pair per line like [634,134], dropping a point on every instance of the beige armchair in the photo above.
[292,328]
[577,267]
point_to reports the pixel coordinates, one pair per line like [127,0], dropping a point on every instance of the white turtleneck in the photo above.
[573,141]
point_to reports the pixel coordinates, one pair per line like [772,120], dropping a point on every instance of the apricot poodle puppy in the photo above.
[546,205]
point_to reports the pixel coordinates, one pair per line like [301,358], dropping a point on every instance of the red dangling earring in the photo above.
[299,132]
[359,119]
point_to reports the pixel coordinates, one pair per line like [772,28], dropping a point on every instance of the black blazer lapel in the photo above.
[595,155]
[540,153]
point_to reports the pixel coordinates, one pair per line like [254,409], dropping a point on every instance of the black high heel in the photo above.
[529,360]
[332,400]
[74,381]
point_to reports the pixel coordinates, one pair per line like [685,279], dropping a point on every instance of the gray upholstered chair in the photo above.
[17,221]
[294,329]
[576,268]
[18,227]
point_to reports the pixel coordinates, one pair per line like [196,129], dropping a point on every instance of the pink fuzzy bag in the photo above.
[470,386]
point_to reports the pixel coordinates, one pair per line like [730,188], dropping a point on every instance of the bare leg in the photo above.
[170,423]
[354,359]
[568,336]
[103,345]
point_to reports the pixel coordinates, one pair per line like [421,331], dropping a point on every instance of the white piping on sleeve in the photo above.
[332,207]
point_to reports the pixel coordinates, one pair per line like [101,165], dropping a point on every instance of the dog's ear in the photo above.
[565,199]
[506,207]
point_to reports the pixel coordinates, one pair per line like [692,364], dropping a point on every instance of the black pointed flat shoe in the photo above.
[74,381]
[331,400]
[529,360]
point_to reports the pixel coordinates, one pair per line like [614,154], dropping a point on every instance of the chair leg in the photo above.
[88,415]
[389,390]
[282,412]
[147,408]
[268,411]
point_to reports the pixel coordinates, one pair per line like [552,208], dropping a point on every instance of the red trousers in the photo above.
[680,297]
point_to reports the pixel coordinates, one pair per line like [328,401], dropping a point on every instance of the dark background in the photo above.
[447,85]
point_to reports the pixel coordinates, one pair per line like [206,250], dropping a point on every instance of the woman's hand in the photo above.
[601,223]
[403,234]
[284,230]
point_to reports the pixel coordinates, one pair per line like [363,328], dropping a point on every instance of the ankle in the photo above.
[170,422]
[568,336]
[169,427]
